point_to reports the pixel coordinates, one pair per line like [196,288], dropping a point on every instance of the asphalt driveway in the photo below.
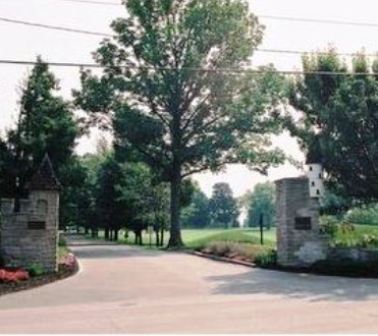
[128,290]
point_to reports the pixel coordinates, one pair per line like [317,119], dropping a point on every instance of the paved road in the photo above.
[128,290]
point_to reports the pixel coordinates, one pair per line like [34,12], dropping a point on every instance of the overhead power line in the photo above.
[93,33]
[302,52]
[45,26]
[95,2]
[271,17]
[220,70]
[323,21]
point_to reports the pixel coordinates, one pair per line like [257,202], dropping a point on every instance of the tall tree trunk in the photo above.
[175,240]
[157,237]
[162,236]
[106,233]
[141,238]
[115,235]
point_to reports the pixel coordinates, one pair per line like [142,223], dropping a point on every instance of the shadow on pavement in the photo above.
[98,249]
[101,251]
[310,287]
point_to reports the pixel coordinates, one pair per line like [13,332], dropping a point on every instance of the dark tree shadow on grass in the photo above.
[296,285]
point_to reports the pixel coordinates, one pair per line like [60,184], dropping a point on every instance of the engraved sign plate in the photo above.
[303,223]
[36,225]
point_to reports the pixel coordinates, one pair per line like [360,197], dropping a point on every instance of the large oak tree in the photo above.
[183,120]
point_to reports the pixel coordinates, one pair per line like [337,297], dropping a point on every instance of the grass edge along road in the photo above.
[195,238]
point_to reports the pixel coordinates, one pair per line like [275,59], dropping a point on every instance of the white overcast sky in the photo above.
[24,43]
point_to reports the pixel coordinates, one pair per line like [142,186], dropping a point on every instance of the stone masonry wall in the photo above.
[22,246]
[299,242]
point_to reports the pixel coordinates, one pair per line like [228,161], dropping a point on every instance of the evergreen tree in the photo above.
[46,124]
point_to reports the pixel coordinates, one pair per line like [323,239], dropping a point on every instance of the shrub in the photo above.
[367,215]
[234,250]
[62,241]
[218,248]
[36,269]
[347,228]
[350,235]
[328,225]
[266,259]
[369,240]
[68,261]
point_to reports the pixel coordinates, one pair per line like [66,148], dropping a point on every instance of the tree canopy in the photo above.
[261,202]
[46,124]
[197,213]
[172,90]
[339,124]
[224,210]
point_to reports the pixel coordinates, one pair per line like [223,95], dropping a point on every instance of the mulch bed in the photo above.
[63,273]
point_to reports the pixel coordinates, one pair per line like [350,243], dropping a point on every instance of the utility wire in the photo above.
[95,2]
[93,33]
[271,17]
[302,52]
[323,21]
[40,25]
[220,70]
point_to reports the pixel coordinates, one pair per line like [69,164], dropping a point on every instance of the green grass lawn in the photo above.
[197,238]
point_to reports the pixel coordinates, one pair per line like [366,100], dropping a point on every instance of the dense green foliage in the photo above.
[339,124]
[261,204]
[223,207]
[197,214]
[366,215]
[335,204]
[46,124]
[181,120]
[110,209]
[344,233]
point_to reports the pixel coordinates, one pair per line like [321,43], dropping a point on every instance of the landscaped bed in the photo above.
[235,248]
[247,253]
[17,280]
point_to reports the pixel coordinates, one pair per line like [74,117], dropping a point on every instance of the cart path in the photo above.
[123,289]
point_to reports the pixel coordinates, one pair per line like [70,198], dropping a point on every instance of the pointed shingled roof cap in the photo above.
[44,178]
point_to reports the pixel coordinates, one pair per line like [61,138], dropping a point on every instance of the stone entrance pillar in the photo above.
[299,241]
[30,236]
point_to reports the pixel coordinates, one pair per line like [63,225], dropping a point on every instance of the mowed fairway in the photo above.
[195,238]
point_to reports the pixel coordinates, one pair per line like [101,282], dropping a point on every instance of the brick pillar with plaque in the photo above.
[299,240]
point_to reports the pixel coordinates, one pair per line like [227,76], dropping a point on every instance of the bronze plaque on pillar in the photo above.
[303,223]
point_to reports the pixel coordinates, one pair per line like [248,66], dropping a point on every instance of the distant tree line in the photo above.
[220,211]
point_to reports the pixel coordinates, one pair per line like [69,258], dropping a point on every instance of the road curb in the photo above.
[221,259]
